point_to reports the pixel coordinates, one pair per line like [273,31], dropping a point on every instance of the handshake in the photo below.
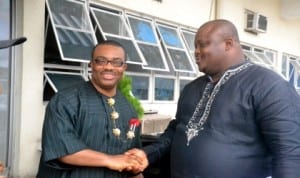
[133,160]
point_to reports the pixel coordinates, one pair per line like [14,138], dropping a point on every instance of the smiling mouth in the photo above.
[108,75]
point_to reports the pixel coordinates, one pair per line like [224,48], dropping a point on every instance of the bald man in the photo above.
[239,120]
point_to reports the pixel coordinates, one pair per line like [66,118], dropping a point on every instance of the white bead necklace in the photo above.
[114,115]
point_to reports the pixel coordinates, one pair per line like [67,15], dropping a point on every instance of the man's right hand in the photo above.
[141,156]
[122,163]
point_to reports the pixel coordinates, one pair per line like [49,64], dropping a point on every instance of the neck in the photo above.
[216,77]
[109,92]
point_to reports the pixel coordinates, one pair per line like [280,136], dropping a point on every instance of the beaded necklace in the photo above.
[114,115]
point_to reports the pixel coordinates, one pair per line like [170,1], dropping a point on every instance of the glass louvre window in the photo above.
[250,56]
[298,81]
[113,27]
[266,59]
[147,40]
[164,89]
[72,28]
[189,39]
[175,49]
[284,66]
[270,55]
[246,48]
[140,86]
[292,74]
[59,81]
[294,71]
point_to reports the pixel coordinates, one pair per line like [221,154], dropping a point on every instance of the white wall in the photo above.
[32,109]
[197,11]
[282,35]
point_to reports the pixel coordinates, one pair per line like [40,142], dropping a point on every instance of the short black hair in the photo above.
[109,42]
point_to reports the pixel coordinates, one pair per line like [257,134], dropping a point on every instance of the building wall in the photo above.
[282,35]
[197,11]
[26,155]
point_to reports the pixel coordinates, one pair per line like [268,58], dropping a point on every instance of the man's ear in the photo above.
[229,44]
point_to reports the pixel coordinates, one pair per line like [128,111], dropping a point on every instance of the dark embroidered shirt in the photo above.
[252,130]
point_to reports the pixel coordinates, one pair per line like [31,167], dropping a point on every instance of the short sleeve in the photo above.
[59,136]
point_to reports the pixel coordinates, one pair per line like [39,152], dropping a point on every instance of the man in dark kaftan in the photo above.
[84,132]
[239,120]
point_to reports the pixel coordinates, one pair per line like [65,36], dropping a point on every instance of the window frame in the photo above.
[105,35]
[190,50]
[157,44]
[130,74]
[122,16]
[174,100]
[254,52]
[295,62]
[58,39]
[167,47]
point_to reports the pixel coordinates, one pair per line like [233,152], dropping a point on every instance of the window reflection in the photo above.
[164,89]
[140,87]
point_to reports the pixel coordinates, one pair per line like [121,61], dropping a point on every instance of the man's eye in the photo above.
[203,45]
[103,62]
[117,63]
[100,61]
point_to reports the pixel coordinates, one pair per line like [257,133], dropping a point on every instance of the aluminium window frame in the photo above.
[84,70]
[130,74]
[151,21]
[55,27]
[261,54]
[295,61]
[252,53]
[247,51]
[191,50]
[175,28]
[285,58]
[175,89]
[52,83]
[253,58]
[112,11]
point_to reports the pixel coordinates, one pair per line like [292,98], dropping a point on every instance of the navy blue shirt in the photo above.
[252,129]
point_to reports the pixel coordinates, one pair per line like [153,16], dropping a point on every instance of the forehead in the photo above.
[208,33]
[109,50]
